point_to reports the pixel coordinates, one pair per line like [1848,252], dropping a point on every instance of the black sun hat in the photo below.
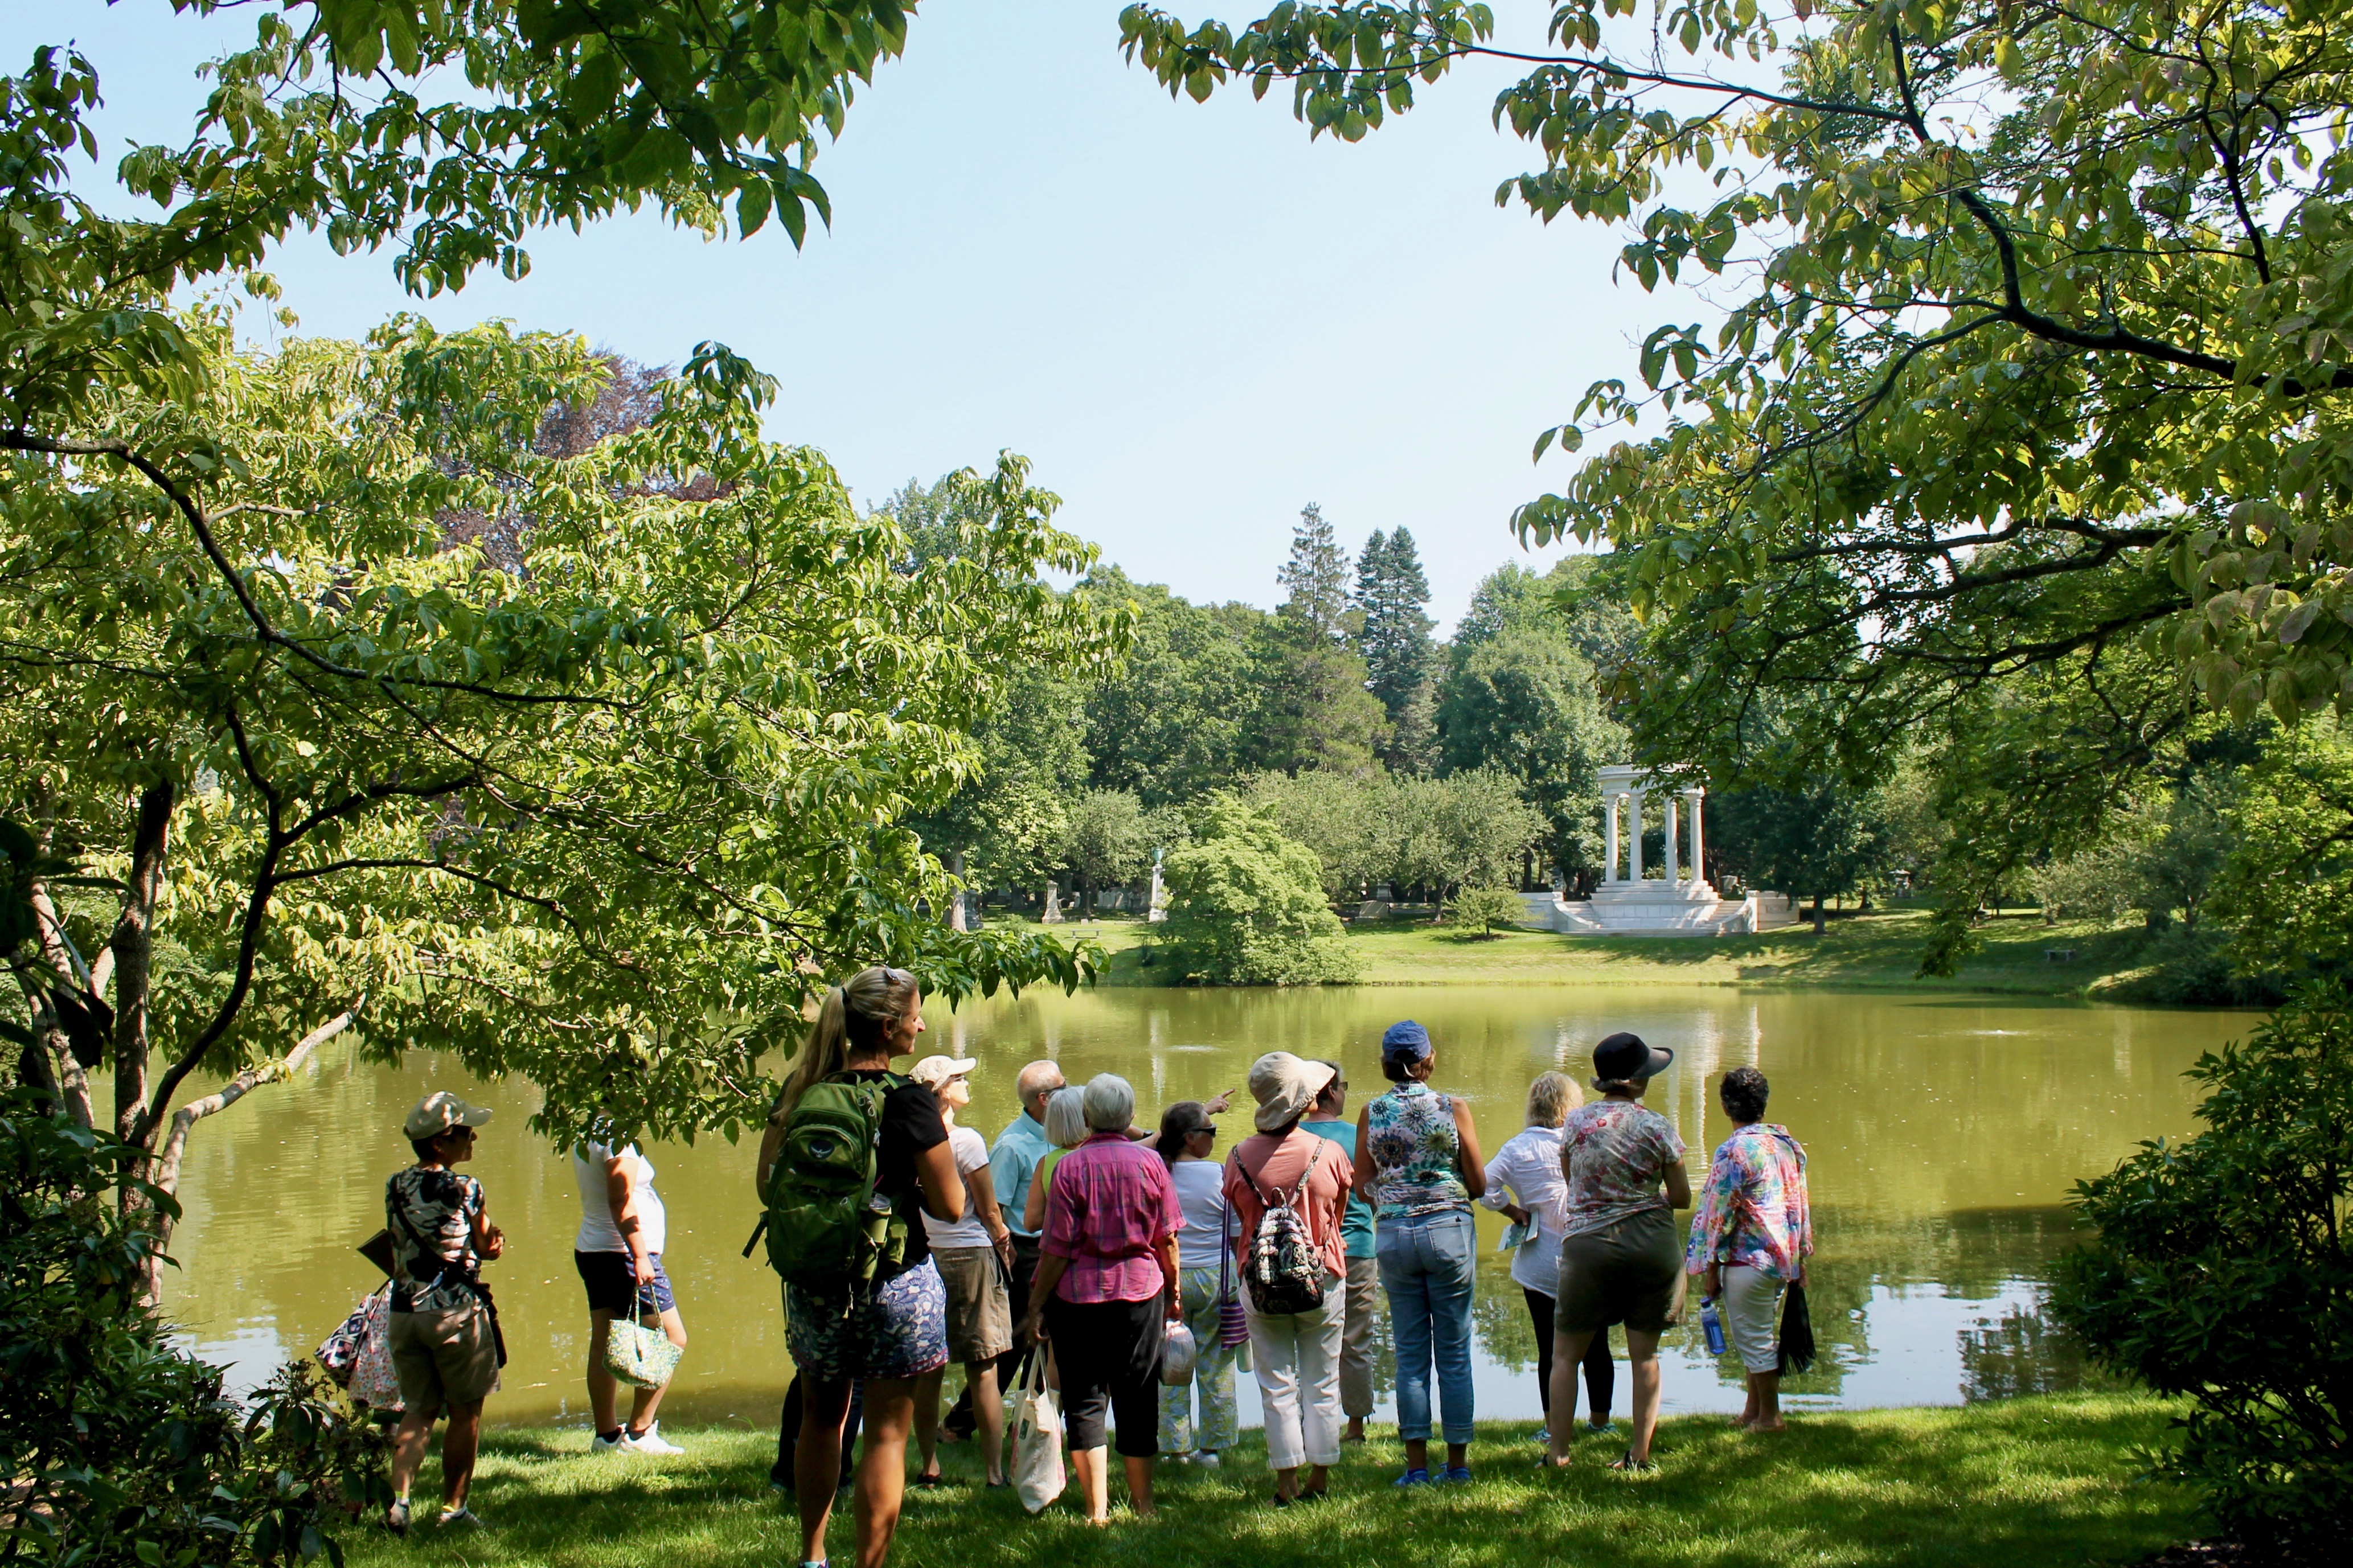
[1624,1058]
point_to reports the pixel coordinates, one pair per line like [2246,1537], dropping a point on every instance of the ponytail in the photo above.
[857,1016]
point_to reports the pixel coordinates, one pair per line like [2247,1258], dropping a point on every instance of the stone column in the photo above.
[1610,812]
[1668,820]
[1692,797]
[1634,859]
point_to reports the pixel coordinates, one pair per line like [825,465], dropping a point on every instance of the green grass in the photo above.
[1880,950]
[2014,1484]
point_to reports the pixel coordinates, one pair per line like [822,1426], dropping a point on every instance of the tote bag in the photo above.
[1037,1439]
[640,1357]
[374,1382]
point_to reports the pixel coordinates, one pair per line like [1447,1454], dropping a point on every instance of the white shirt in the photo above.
[971,1152]
[1201,1193]
[1526,1170]
[597,1231]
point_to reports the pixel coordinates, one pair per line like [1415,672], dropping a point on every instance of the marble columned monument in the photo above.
[1680,898]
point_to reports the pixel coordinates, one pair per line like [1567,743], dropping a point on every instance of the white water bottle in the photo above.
[1711,1325]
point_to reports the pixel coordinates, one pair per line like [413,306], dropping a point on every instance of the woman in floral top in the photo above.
[1751,1236]
[1623,1167]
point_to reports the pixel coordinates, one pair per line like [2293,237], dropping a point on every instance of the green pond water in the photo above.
[1944,1134]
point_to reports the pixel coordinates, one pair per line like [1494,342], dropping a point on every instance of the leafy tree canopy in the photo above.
[1246,908]
[1525,703]
[1394,641]
[2032,348]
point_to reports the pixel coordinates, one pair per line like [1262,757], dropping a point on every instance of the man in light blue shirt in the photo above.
[1012,1161]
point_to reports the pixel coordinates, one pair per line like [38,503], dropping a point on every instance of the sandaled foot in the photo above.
[1632,1465]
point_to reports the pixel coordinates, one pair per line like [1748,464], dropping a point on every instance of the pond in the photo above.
[1944,1134]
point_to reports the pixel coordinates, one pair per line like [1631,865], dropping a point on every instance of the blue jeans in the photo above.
[1428,1263]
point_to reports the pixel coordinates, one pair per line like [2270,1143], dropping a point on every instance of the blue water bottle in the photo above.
[1711,1325]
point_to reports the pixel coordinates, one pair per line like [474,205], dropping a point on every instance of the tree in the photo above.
[1525,702]
[1309,708]
[1169,723]
[2037,345]
[1109,837]
[1487,911]
[1340,818]
[1318,577]
[610,820]
[1811,844]
[1246,907]
[2285,883]
[2249,1212]
[1010,820]
[1395,640]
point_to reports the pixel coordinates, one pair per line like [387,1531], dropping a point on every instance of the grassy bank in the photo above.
[1879,950]
[2020,1483]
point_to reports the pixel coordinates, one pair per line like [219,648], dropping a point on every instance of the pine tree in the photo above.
[1395,640]
[1317,576]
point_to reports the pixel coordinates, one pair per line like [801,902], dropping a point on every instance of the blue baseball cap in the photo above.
[1405,1042]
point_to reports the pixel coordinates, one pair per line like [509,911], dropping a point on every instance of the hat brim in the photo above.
[1661,1058]
[476,1115]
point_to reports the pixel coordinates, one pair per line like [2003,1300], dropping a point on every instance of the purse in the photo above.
[374,1382]
[1037,1478]
[1177,1354]
[640,1357]
[1233,1323]
[339,1350]
[1797,1332]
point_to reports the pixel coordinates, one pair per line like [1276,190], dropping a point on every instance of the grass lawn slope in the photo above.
[2013,1484]
[1878,950]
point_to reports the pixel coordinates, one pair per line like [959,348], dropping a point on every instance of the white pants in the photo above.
[1750,1298]
[1298,1356]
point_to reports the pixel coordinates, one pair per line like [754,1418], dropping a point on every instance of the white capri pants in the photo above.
[1752,1300]
[1298,1359]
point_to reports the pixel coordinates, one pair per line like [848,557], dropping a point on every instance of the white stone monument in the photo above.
[1681,900]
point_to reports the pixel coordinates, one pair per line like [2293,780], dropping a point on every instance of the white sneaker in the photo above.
[460,1518]
[651,1442]
[600,1444]
[1205,1457]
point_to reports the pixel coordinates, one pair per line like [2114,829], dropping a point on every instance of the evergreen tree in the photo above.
[1317,576]
[1395,640]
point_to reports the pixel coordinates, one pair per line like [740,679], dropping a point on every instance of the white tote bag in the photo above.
[1038,1439]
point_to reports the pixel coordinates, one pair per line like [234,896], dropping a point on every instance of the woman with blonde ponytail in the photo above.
[894,1331]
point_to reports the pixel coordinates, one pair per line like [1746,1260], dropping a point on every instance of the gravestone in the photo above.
[1053,915]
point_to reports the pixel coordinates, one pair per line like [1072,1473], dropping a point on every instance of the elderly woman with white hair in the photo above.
[1105,1271]
[1525,1180]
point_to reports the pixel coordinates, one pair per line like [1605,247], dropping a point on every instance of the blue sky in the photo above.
[1190,317]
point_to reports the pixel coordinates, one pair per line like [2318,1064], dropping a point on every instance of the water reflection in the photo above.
[1943,1134]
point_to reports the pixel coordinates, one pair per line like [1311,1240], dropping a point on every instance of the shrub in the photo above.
[121,1451]
[1246,907]
[1485,910]
[2219,1272]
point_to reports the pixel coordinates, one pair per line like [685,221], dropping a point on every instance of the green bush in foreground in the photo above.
[119,1451]
[1246,908]
[1486,910]
[2221,1272]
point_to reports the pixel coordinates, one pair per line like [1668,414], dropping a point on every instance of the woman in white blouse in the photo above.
[1524,1180]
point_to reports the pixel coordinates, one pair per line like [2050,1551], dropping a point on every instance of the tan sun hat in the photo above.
[932,1072]
[1284,1087]
[438,1112]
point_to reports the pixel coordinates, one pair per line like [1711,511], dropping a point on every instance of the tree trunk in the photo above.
[956,920]
[133,947]
[64,1072]
[1821,921]
[165,1171]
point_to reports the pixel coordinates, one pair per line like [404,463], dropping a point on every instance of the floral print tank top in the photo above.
[1411,1131]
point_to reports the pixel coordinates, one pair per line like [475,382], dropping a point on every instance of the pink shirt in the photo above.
[1110,1203]
[1263,1164]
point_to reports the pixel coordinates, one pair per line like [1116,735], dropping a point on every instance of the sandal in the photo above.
[1632,1465]
[932,1482]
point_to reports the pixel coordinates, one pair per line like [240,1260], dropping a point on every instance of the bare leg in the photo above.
[1416,1454]
[1458,1455]
[1319,1481]
[817,1460]
[1356,1433]
[409,1446]
[927,1422]
[1094,1484]
[1642,1351]
[882,1465]
[1765,1399]
[603,1387]
[649,1400]
[1567,1352]
[988,1415]
[1286,1483]
[459,1443]
[1139,1487]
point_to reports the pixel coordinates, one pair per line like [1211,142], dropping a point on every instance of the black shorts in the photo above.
[612,1281]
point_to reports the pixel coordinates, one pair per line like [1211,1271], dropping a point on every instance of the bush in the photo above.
[1485,910]
[1246,908]
[2220,1273]
[121,1452]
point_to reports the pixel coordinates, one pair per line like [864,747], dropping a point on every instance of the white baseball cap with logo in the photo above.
[440,1111]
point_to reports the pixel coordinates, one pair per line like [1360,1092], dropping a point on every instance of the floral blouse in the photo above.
[1417,1151]
[1614,1156]
[1753,1207]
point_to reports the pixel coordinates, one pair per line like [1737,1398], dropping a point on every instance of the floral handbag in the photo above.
[374,1382]
[638,1355]
[339,1350]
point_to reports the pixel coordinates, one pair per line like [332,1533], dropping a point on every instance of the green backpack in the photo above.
[827,1229]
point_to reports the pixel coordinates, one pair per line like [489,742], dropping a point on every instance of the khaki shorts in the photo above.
[980,1310]
[1631,1273]
[446,1358]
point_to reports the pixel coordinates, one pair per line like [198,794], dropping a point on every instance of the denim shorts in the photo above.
[900,1331]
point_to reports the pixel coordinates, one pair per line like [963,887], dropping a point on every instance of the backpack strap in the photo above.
[1297,1187]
